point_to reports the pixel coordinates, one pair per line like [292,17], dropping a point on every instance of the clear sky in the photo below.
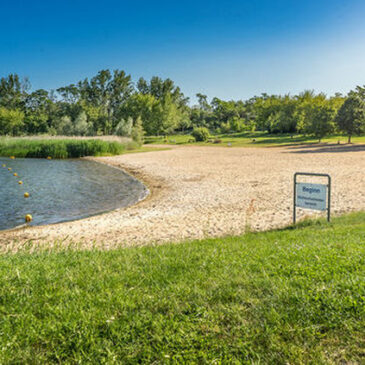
[229,49]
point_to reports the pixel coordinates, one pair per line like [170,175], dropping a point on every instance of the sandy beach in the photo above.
[198,192]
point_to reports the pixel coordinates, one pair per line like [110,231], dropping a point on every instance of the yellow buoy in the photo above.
[20,182]
[12,157]
[9,168]
[4,165]
[28,218]
[26,195]
[49,158]
[15,174]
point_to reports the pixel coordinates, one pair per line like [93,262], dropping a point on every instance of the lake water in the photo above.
[62,190]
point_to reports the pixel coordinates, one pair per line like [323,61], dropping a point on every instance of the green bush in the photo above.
[138,132]
[200,134]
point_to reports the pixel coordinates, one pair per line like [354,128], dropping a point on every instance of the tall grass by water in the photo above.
[61,148]
[294,296]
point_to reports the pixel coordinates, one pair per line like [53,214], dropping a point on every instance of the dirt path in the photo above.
[207,191]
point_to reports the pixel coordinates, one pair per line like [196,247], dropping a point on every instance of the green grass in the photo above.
[61,148]
[246,139]
[282,297]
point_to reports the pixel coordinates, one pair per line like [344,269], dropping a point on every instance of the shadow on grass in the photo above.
[326,148]
[285,141]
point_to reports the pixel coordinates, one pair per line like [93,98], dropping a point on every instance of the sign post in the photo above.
[312,196]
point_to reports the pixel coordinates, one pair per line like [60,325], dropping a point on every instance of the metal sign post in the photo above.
[312,196]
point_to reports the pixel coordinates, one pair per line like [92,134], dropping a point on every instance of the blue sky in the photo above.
[229,49]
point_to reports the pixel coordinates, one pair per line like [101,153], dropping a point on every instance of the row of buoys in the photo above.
[28,217]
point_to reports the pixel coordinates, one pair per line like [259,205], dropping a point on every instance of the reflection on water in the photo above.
[62,190]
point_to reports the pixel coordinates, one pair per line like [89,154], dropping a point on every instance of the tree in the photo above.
[322,122]
[11,121]
[144,106]
[36,122]
[351,116]
[13,91]
[124,127]
[203,102]
[168,116]
[138,132]
[64,126]
[106,91]
[81,126]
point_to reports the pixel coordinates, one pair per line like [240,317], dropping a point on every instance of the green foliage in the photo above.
[81,126]
[351,116]
[144,106]
[100,106]
[60,148]
[137,133]
[322,123]
[13,91]
[11,121]
[124,127]
[293,296]
[168,116]
[201,134]
[64,126]
[36,122]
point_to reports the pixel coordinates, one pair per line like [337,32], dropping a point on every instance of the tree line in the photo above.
[111,103]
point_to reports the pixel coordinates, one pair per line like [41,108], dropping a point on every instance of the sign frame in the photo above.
[328,193]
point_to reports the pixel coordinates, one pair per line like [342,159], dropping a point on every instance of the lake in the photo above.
[62,190]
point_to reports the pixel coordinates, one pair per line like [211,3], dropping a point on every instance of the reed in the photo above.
[61,148]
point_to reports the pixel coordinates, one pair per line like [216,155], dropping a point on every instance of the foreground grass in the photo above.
[61,148]
[290,296]
[256,139]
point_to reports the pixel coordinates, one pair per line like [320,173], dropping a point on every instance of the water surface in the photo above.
[62,190]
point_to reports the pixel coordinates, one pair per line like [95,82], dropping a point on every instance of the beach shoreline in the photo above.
[198,192]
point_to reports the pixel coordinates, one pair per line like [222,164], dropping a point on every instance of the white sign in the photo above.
[311,196]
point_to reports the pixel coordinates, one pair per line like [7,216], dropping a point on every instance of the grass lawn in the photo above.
[287,296]
[261,139]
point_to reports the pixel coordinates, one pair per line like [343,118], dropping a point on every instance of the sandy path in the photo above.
[208,191]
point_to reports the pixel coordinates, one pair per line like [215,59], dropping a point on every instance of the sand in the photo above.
[198,192]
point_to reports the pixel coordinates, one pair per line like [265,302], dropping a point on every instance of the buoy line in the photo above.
[28,217]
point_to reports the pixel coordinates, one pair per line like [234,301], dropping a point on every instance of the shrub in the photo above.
[81,126]
[200,134]
[124,127]
[138,132]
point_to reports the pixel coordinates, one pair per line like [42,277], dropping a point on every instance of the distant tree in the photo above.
[322,123]
[11,121]
[203,102]
[36,122]
[124,127]
[137,133]
[142,86]
[184,122]
[64,126]
[146,107]
[106,91]
[13,91]
[351,116]
[168,116]
[70,94]
[81,125]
